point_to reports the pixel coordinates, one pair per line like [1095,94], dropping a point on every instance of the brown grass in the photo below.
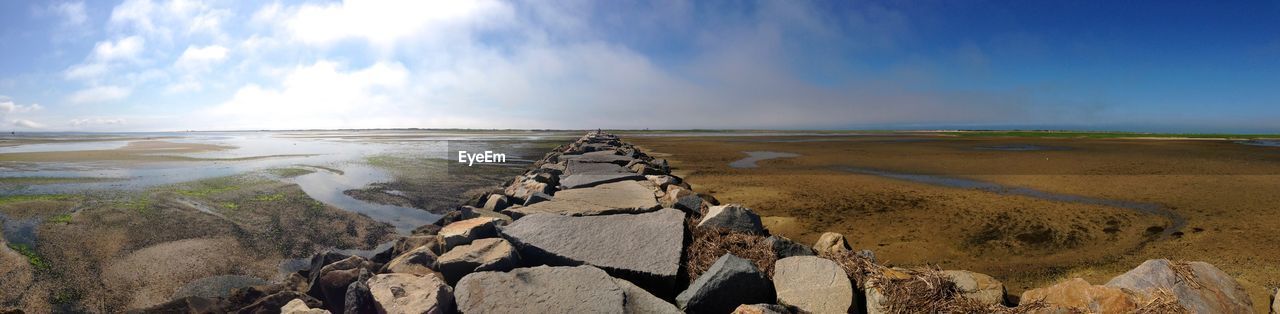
[708,244]
[926,290]
[1162,302]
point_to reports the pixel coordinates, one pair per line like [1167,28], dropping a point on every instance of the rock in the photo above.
[730,282]
[1275,302]
[761,309]
[672,195]
[524,187]
[873,294]
[613,198]
[831,243]
[190,304]
[867,254]
[663,181]
[331,284]
[545,289]
[496,202]
[503,219]
[1079,294]
[245,296]
[644,169]
[463,232]
[408,293]
[575,181]
[275,302]
[320,260]
[642,248]
[481,255]
[572,168]
[409,243]
[812,284]
[536,198]
[419,261]
[430,229]
[976,286]
[358,298]
[785,248]
[733,217]
[599,157]
[297,306]
[1198,286]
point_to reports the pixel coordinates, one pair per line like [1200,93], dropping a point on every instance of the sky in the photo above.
[172,65]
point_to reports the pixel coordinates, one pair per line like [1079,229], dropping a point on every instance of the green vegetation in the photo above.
[30,254]
[273,197]
[63,218]
[34,197]
[230,205]
[208,187]
[289,172]
[141,205]
[1081,134]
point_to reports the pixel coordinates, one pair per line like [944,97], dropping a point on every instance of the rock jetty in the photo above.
[598,226]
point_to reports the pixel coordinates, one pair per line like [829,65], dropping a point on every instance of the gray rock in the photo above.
[640,301]
[419,261]
[492,254]
[407,293]
[1198,286]
[497,202]
[358,299]
[331,284]
[580,168]
[730,282]
[537,198]
[662,181]
[785,248]
[831,243]
[575,181]
[976,286]
[812,284]
[543,289]
[733,217]
[612,198]
[599,157]
[463,232]
[642,248]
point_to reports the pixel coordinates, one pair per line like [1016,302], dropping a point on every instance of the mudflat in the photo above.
[1028,211]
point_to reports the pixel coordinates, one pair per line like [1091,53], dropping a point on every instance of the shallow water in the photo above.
[1265,143]
[1146,208]
[753,157]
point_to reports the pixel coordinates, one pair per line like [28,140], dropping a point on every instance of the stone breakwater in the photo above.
[598,226]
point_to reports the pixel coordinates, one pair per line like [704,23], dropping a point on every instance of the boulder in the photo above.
[358,299]
[276,302]
[873,293]
[496,202]
[613,198]
[733,217]
[492,254]
[831,243]
[643,248]
[573,168]
[761,309]
[536,198]
[331,284]
[644,169]
[525,187]
[429,229]
[663,181]
[1198,286]
[976,286]
[408,293]
[419,261]
[463,232]
[409,243]
[298,306]
[730,282]
[545,289]
[1077,293]
[672,195]
[785,248]
[812,284]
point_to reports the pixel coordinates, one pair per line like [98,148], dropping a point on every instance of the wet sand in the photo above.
[1224,190]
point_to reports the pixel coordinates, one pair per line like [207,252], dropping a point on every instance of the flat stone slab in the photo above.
[629,197]
[544,289]
[642,248]
[574,167]
[599,157]
[589,180]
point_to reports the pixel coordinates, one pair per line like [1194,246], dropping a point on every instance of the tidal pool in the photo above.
[753,157]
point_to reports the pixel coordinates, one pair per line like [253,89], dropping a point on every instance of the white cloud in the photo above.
[198,57]
[85,71]
[122,49]
[27,124]
[316,95]
[384,23]
[163,19]
[99,94]
[96,121]
[72,13]
[7,107]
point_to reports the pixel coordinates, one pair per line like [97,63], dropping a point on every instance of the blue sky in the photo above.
[142,65]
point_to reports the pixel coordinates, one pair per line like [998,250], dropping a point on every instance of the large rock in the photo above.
[613,198]
[407,293]
[419,261]
[1198,286]
[976,286]
[544,289]
[298,306]
[359,299]
[733,217]
[761,309]
[642,248]
[1079,294]
[481,255]
[275,302]
[730,282]
[812,284]
[497,202]
[589,168]
[831,243]
[785,248]
[463,232]
[331,284]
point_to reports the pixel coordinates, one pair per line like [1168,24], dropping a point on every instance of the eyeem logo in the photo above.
[485,158]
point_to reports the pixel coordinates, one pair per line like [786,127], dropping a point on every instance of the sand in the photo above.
[1225,191]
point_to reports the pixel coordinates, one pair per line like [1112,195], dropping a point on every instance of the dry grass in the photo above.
[925,290]
[1162,302]
[708,244]
[1183,272]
